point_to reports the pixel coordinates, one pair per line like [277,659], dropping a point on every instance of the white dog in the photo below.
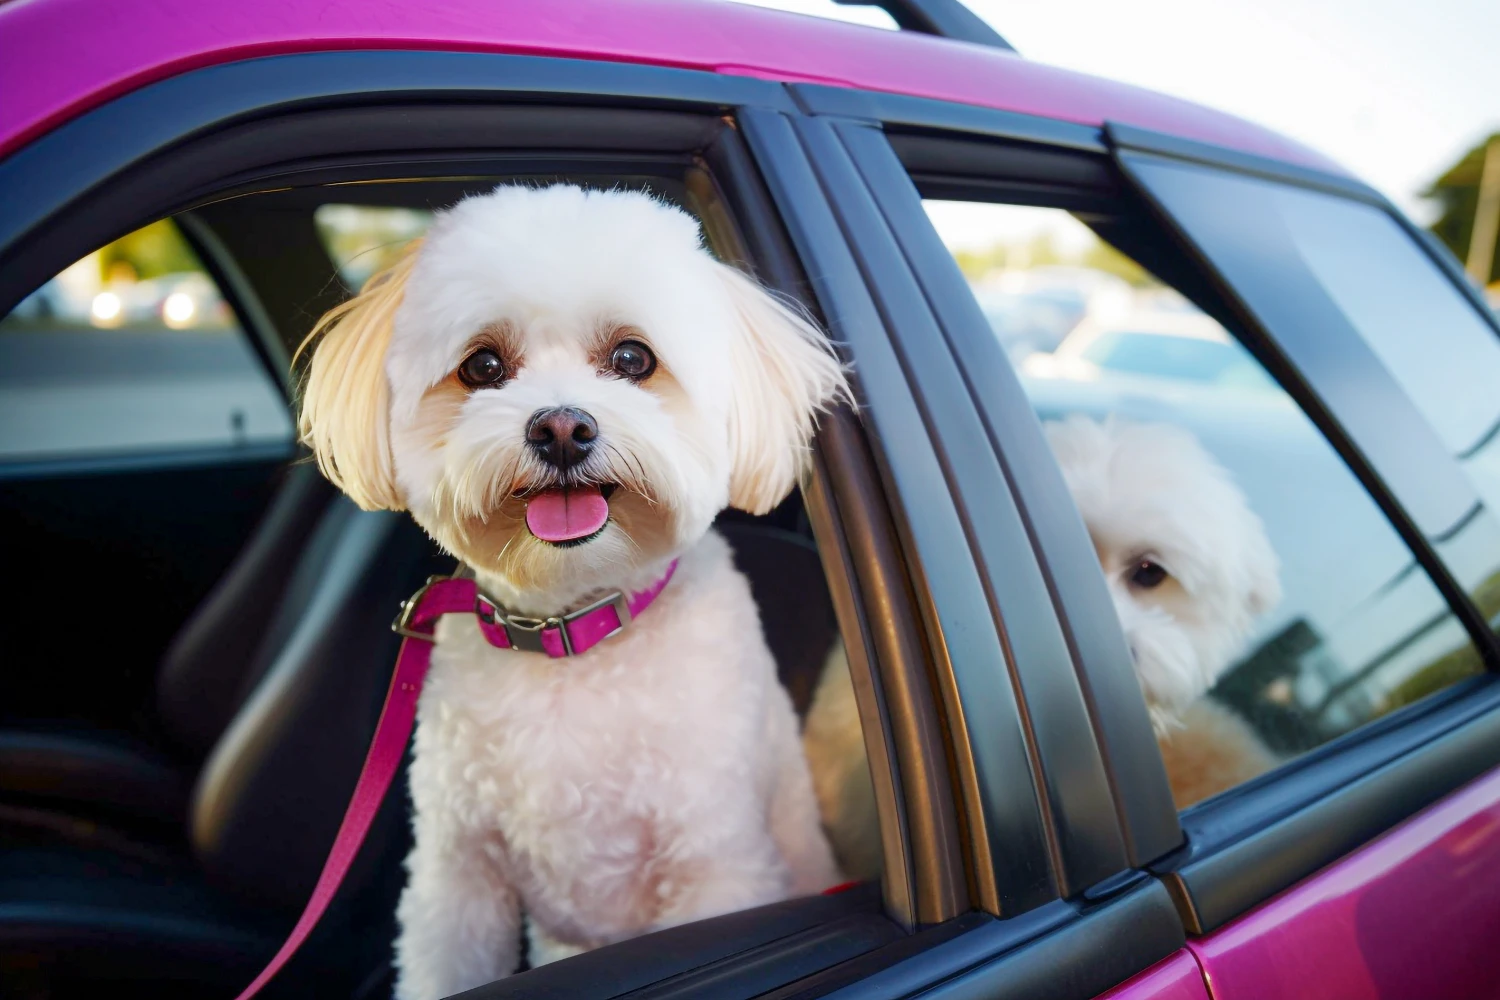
[1189,568]
[564,389]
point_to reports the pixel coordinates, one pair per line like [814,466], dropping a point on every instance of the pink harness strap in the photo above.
[565,635]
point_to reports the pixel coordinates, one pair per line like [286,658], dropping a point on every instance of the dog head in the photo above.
[564,388]
[1187,561]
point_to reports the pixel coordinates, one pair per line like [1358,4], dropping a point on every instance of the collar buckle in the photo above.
[525,632]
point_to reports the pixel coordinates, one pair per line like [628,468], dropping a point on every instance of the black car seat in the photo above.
[212,663]
[270,798]
[81,906]
[201,682]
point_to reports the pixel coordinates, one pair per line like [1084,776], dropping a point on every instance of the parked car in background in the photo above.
[1034,309]
[199,637]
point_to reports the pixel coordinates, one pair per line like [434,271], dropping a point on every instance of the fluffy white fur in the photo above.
[1150,496]
[658,778]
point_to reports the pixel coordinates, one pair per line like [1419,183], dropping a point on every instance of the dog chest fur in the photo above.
[597,785]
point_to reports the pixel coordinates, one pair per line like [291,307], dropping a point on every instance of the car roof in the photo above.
[65,56]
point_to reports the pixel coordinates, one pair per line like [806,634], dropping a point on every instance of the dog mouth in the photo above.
[571,515]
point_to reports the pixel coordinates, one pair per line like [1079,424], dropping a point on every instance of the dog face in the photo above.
[1187,561]
[564,389]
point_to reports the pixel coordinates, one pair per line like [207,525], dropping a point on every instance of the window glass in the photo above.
[362,239]
[1267,616]
[132,351]
[1359,278]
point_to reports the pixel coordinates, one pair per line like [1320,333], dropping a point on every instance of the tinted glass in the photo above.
[1358,629]
[132,351]
[1334,279]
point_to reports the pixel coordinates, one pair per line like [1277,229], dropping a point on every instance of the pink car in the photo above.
[197,624]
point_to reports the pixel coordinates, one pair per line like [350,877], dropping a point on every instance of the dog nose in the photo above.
[562,436]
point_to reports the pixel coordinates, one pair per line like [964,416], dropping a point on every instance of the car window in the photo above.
[1269,604]
[132,351]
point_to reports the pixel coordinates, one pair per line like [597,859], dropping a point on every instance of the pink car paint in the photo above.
[1174,978]
[64,56]
[1411,915]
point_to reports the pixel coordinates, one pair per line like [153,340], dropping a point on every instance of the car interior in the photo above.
[171,779]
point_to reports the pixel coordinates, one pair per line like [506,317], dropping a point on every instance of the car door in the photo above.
[1370,685]
[281,137]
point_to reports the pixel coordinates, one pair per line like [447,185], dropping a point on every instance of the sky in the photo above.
[1394,90]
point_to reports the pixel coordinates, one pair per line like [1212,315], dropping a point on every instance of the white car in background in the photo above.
[1172,345]
[1035,309]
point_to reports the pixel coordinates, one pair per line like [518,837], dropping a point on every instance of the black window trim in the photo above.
[1115,720]
[909,466]
[1058,681]
[1108,931]
[146,121]
[1119,136]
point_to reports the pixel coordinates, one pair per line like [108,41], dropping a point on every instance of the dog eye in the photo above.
[632,359]
[482,368]
[1147,574]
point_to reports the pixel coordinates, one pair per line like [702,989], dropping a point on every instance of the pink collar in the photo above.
[569,634]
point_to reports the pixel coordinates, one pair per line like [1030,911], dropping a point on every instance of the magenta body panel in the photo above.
[1414,914]
[65,56]
[1176,977]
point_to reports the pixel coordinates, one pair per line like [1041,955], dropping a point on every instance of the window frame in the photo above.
[173,160]
[1113,928]
[1250,843]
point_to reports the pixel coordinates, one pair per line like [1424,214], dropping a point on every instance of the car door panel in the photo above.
[1411,914]
[116,560]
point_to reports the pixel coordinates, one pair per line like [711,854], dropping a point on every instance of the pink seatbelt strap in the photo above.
[566,635]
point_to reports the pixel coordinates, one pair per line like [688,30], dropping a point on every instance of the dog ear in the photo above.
[785,374]
[345,414]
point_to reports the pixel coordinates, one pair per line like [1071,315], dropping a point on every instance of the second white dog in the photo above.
[1189,568]
[564,389]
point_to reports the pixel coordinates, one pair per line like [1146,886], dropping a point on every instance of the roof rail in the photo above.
[944,18]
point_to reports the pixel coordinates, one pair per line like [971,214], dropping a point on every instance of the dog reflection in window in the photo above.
[1190,570]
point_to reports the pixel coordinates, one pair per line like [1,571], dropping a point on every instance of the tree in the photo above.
[1457,191]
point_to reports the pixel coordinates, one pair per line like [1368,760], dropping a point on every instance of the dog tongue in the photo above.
[565,513]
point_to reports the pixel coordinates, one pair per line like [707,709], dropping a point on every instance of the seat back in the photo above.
[796,611]
[203,678]
[270,798]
